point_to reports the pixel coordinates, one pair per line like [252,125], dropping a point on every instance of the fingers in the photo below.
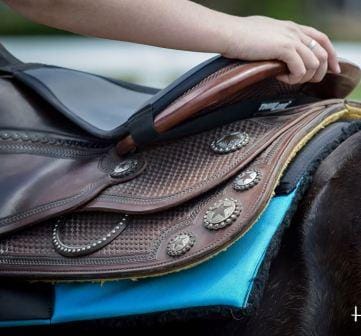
[326,44]
[305,65]
[311,62]
[322,69]
[295,65]
[316,57]
[320,54]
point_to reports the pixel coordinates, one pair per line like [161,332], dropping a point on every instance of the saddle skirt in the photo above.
[77,202]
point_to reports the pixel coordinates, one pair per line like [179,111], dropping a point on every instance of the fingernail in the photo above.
[338,69]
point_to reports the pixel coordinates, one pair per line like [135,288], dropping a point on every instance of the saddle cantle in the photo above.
[211,150]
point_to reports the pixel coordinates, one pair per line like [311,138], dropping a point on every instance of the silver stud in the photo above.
[125,168]
[247,179]
[180,244]
[77,251]
[230,142]
[221,214]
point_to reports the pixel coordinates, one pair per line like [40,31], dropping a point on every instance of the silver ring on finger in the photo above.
[312,45]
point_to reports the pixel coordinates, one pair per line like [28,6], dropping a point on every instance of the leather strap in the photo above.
[143,131]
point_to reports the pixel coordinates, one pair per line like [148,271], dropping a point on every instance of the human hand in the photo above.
[307,52]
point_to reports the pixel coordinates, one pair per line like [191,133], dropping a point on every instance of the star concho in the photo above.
[180,244]
[221,214]
[247,179]
[125,168]
[230,142]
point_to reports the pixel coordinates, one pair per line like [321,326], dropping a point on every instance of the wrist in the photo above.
[232,36]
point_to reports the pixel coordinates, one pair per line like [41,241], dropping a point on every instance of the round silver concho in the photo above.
[125,168]
[230,142]
[91,247]
[247,179]
[221,214]
[180,244]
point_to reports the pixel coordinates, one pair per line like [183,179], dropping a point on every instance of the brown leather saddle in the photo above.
[105,179]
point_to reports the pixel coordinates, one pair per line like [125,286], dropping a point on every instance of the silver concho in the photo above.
[180,244]
[125,168]
[91,247]
[221,214]
[247,179]
[230,142]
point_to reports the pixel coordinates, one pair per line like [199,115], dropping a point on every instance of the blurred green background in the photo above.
[340,19]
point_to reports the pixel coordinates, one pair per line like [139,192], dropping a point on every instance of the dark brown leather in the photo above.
[66,168]
[142,248]
[48,165]
[183,169]
[86,212]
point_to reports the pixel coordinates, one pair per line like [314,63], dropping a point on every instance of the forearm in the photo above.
[179,24]
[182,24]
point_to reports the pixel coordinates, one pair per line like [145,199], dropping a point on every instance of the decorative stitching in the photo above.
[47,138]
